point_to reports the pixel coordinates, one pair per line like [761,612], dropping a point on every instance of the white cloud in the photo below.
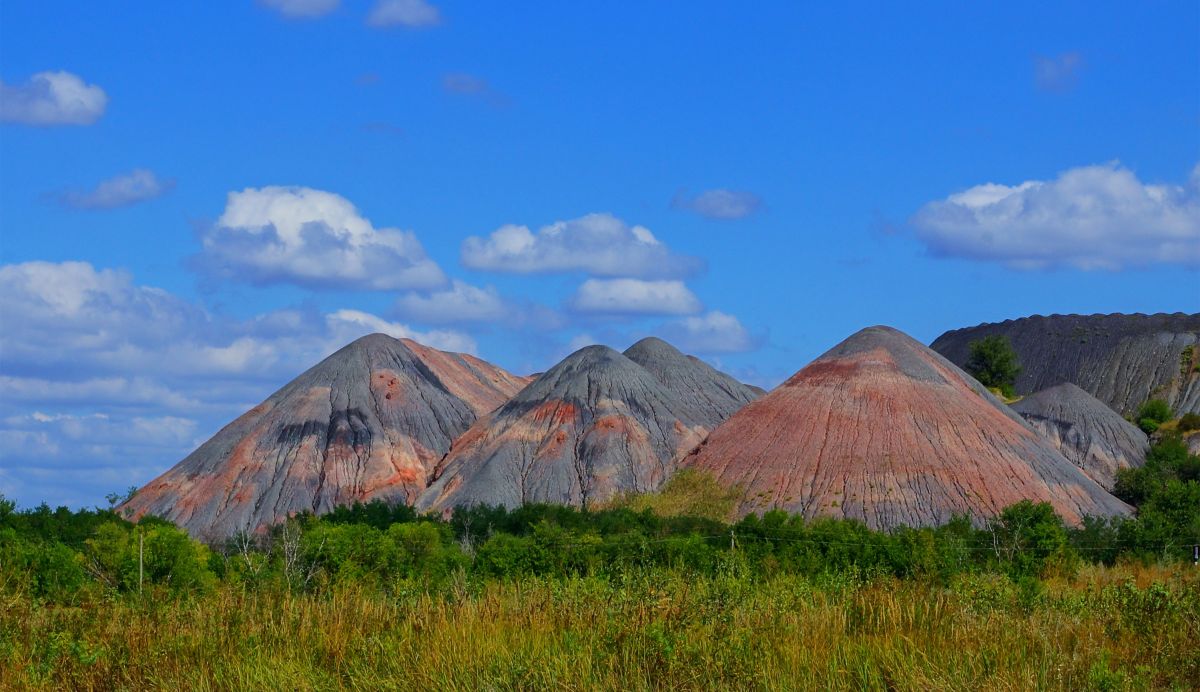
[52,98]
[461,302]
[347,325]
[302,9]
[123,190]
[635,296]
[414,14]
[1092,217]
[1057,73]
[312,238]
[712,332]
[598,244]
[99,330]
[720,204]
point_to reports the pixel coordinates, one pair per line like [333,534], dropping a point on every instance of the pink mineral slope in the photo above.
[884,430]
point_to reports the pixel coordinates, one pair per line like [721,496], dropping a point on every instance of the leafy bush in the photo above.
[1152,415]
[994,363]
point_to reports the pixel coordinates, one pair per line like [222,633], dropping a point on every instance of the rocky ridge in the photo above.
[1122,360]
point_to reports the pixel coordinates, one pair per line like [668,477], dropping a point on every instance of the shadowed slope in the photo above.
[368,422]
[592,426]
[884,430]
[1087,432]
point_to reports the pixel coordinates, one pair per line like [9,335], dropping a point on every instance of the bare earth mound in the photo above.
[368,422]
[884,430]
[1086,431]
[595,425]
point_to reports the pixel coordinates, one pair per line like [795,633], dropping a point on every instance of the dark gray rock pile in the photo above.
[1122,360]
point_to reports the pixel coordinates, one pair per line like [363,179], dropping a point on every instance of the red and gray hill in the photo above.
[368,422]
[1122,360]
[884,430]
[1087,432]
[597,424]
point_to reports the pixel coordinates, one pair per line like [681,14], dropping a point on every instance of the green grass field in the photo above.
[1105,629]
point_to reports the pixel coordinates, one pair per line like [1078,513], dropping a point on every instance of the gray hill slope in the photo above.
[1122,360]
[1085,430]
[368,422]
[597,424]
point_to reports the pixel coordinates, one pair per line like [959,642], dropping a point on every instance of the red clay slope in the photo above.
[368,422]
[884,430]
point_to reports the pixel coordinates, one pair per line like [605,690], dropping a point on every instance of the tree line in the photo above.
[61,555]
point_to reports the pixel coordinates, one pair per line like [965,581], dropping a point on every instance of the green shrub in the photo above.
[994,363]
[1189,422]
[1152,415]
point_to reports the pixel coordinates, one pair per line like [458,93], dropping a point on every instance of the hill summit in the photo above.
[368,422]
[882,429]
[597,424]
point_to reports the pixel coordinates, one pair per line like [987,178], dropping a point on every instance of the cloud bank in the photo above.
[52,98]
[460,303]
[314,239]
[1092,217]
[711,333]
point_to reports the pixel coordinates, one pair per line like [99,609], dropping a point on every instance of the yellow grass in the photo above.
[1128,628]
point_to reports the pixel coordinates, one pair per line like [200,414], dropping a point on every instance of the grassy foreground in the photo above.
[1106,628]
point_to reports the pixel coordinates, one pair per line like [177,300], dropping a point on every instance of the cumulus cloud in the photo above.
[720,204]
[52,98]
[598,244]
[712,332]
[413,14]
[635,297]
[1092,217]
[461,302]
[71,321]
[106,362]
[1057,73]
[123,190]
[302,9]
[312,238]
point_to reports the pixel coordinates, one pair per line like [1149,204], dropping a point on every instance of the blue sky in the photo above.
[199,200]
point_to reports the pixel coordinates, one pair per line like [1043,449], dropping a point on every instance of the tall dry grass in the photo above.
[1105,629]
